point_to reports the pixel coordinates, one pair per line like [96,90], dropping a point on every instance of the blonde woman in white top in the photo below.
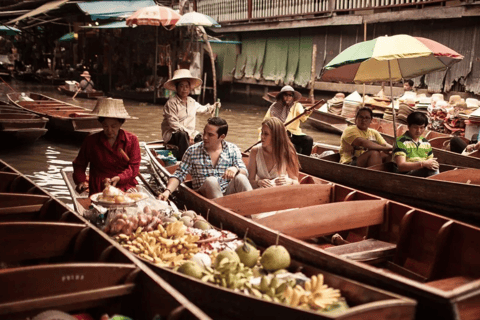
[274,162]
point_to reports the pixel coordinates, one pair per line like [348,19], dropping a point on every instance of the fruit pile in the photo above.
[168,246]
[265,277]
[238,265]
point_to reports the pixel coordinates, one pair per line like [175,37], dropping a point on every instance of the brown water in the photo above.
[43,160]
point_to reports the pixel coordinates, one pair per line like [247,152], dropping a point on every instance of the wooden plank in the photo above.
[469,176]
[19,199]
[276,198]
[47,280]
[364,250]
[20,209]
[68,301]
[326,219]
[36,240]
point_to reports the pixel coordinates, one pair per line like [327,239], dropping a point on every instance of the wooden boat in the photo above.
[451,198]
[86,95]
[399,248]
[62,116]
[438,140]
[17,125]
[53,259]
[365,302]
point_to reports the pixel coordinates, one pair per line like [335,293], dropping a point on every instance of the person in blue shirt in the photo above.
[215,165]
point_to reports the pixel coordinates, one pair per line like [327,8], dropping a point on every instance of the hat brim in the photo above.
[114,117]
[296,95]
[194,83]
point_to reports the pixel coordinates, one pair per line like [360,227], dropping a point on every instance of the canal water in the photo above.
[43,160]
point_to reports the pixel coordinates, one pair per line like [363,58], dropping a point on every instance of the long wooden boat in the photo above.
[53,259]
[17,125]
[399,248]
[62,116]
[365,302]
[438,140]
[454,197]
[86,95]
[328,122]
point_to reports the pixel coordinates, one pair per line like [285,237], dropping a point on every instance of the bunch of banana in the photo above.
[229,274]
[316,294]
[165,246]
[271,290]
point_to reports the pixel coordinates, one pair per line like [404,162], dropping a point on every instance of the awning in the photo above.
[113,25]
[68,37]
[222,41]
[114,8]
[42,9]
[9,30]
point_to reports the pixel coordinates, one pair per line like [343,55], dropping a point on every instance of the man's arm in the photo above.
[172,185]
[370,145]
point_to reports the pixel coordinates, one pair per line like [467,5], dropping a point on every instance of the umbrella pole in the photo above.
[393,105]
[155,67]
[210,52]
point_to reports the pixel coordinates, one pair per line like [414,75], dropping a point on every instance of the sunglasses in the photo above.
[289,94]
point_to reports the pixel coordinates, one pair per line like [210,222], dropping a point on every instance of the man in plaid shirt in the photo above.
[215,165]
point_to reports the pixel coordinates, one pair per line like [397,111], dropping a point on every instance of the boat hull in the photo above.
[53,259]
[456,200]
[433,303]
[366,302]
[63,117]
[84,95]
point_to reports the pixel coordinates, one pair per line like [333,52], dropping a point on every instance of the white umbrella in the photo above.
[196,19]
[202,20]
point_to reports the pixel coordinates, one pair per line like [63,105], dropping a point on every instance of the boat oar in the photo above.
[79,88]
[297,117]
[8,85]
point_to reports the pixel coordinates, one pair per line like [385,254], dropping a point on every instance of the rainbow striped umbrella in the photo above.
[389,58]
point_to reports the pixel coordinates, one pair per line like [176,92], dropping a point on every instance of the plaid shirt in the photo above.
[198,163]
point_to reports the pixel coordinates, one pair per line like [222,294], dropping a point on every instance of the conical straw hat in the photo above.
[179,75]
[111,108]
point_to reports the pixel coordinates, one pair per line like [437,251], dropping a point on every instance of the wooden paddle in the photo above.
[321,101]
[79,88]
[8,85]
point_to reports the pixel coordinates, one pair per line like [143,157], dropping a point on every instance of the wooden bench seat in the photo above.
[364,251]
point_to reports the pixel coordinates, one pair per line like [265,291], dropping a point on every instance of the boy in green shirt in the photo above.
[413,153]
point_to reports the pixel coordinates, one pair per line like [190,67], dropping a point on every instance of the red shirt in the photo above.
[107,161]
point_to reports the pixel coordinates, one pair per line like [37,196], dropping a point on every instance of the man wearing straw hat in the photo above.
[87,84]
[113,154]
[179,113]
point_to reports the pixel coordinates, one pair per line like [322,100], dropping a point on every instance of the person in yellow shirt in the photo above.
[362,146]
[286,108]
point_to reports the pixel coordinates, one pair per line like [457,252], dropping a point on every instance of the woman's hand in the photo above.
[431,164]
[81,187]
[112,181]
[281,180]
[265,183]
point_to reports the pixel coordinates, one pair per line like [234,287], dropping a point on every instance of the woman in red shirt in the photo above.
[113,154]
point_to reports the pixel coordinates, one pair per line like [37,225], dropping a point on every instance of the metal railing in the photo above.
[237,10]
